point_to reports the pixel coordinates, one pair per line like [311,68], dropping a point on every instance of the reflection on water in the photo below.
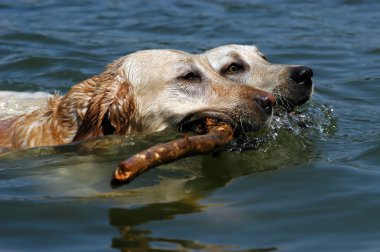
[133,237]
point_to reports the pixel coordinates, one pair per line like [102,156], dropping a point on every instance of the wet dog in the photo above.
[292,85]
[146,91]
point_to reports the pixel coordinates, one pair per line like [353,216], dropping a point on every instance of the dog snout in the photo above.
[302,75]
[266,102]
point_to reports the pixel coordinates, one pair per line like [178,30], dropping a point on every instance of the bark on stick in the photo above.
[218,135]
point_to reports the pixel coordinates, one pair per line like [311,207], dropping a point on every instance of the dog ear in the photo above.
[109,112]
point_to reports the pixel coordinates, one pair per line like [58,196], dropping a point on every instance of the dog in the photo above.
[146,91]
[292,85]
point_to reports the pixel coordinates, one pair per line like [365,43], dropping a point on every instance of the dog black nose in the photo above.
[266,101]
[302,75]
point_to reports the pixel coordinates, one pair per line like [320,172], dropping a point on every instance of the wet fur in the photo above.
[145,91]
[260,73]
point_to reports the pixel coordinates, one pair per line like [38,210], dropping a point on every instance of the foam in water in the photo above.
[313,120]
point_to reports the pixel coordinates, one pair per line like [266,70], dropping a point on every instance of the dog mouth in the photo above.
[293,93]
[289,99]
[197,122]
[291,104]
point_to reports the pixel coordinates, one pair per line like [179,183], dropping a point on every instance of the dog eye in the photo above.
[263,56]
[192,76]
[234,68]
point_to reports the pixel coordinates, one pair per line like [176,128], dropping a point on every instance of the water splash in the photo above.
[311,121]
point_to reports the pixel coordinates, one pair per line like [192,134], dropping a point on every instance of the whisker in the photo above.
[242,127]
[284,102]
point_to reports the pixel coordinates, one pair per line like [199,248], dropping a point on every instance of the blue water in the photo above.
[302,189]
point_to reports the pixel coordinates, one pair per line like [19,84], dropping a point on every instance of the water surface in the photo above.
[302,189]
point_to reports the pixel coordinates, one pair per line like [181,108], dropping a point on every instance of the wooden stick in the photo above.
[218,135]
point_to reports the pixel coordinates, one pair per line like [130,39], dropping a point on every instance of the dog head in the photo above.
[292,85]
[151,90]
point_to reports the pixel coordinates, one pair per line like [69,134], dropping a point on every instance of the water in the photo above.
[302,189]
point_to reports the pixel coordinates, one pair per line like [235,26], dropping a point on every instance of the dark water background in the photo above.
[314,189]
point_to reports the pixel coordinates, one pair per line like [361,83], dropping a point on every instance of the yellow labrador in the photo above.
[292,85]
[146,91]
